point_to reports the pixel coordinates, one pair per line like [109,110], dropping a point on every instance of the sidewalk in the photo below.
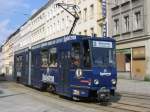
[133,86]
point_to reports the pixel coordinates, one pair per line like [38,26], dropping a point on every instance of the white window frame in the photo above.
[138,23]
[116,25]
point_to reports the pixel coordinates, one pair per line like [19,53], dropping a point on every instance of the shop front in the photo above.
[124,63]
[139,63]
[131,63]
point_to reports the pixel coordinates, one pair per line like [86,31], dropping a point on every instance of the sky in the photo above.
[13,13]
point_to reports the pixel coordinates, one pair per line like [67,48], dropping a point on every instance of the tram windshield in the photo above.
[92,53]
[103,54]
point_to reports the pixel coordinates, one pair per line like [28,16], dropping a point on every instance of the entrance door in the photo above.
[64,70]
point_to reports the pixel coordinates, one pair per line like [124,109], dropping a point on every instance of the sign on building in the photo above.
[104,10]
[104,14]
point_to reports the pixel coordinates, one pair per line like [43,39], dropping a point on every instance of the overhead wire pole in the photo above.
[75,14]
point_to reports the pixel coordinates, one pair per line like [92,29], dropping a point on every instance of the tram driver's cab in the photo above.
[94,65]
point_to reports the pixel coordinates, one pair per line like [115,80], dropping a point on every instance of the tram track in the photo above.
[97,106]
[119,106]
[134,95]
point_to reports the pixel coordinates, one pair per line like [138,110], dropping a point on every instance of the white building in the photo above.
[129,25]
[50,22]
[1,61]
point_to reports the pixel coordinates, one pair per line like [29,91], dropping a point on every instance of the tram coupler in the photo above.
[103,95]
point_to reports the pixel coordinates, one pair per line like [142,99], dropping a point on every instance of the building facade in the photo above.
[50,22]
[129,25]
[7,55]
[1,60]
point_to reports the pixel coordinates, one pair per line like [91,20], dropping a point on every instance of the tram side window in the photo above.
[44,58]
[86,54]
[75,54]
[27,58]
[53,57]
[19,63]
[33,60]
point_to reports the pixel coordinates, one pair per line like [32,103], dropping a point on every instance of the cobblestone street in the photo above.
[75,56]
[18,98]
[134,86]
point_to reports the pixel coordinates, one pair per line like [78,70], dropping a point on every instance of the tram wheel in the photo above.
[18,79]
[75,98]
[51,88]
[104,103]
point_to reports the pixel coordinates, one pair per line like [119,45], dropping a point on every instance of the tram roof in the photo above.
[67,38]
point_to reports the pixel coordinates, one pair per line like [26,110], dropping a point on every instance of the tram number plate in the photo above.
[46,78]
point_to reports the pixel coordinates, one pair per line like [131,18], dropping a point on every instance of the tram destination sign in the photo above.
[102,44]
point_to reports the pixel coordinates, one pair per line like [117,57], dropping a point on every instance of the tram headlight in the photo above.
[79,73]
[96,82]
[113,81]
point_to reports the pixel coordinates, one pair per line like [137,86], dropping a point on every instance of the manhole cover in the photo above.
[1,92]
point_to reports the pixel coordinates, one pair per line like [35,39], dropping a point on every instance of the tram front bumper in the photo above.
[103,95]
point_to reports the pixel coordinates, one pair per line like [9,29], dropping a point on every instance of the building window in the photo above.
[92,31]
[62,24]
[80,17]
[58,25]
[137,20]
[116,26]
[116,2]
[67,21]
[85,32]
[54,27]
[51,29]
[78,1]
[85,14]
[126,23]
[92,11]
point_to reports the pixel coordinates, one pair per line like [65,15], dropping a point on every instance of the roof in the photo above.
[42,8]
[13,34]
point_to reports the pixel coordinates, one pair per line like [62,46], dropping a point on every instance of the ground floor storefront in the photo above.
[7,70]
[133,60]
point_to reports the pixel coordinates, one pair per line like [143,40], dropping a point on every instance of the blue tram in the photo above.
[74,66]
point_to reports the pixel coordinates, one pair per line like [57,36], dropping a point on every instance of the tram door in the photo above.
[64,69]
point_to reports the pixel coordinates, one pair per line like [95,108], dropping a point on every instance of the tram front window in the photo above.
[103,54]
[76,54]
[80,54]
[86,54]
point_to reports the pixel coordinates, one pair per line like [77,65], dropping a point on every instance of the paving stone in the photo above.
[133,86]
